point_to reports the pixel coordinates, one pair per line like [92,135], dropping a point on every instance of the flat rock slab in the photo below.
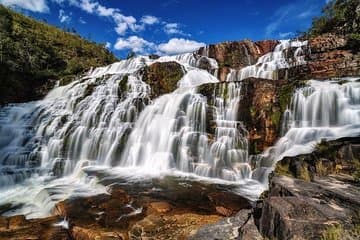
[240,226]
[297,209]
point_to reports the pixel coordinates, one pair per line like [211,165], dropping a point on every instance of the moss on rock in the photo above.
[162,77]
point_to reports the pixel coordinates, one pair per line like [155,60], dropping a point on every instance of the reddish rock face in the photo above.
[266,46]
[261,110]
[329,57]
[239,54]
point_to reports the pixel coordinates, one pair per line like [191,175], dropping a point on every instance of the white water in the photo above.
[172,133]
[322,110]
[103,120]
[46,145]
[267,66]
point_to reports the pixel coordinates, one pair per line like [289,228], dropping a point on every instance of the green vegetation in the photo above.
[123,83]
[162,77]
[356,173]
[32,53]
[340,17]
[334,232]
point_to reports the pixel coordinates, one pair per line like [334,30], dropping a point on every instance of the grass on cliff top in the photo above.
[30,45]
[34,51]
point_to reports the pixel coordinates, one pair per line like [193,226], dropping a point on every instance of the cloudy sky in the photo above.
[173,26]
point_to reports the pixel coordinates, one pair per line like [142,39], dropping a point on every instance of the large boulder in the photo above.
[162,77]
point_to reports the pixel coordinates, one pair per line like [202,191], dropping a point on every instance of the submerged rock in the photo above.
[17,227]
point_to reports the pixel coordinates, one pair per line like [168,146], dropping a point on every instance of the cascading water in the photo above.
[287,53]
[321,110]
[171,134]
[45,145]
[106,120]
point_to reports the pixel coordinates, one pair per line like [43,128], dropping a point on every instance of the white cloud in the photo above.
[63,17]
[32,5]
[179,45]
[172,28]
[108,45]
[149,20]
[134,43]
[104,11]
[123,23]
[88,5]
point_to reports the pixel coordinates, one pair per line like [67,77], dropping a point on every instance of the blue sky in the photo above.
[173,26]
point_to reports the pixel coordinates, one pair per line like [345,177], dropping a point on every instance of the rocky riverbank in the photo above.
[312,196]
[167,208]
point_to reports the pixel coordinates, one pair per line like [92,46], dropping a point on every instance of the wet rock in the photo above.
[200,197]
[261,108]
[228,204]
[204,63]
[161,207]
[84,234]
[162,77]
[179,226]
[262,104]
[154,56]
[116,209]
[17,227]
[16,221]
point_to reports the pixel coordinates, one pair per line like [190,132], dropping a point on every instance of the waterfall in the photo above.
[107,120]
[46,145]
[172,134]
[322,110]
[288,53]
